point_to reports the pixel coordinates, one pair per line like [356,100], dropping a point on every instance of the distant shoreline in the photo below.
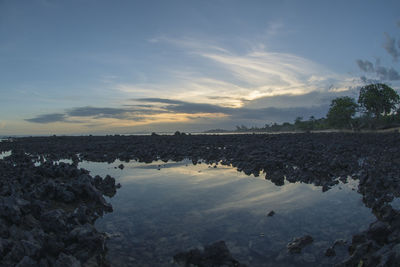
[211,132]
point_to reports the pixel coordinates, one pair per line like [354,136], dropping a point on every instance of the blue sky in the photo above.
[90,66]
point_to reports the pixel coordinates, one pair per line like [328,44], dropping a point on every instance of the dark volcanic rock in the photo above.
[299,243]
[216,254]
[330,252]
[39,208]
[27,262]
[322,159]
[54,220]
[271,213]
[379,231]
[64,260]
[107,185]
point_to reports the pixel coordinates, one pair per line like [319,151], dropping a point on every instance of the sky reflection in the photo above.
[163,208]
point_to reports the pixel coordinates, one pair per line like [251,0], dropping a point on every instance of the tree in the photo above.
[341,111]
[378,99]
[241,128]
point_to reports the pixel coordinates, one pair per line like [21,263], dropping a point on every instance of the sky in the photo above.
[120,67]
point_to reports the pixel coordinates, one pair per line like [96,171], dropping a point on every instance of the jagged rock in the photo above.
[17,252]
[10,210]
[27,262]
[325,188]
[81,233]
[4,246]
[330,252]
[3,229]
[36,213]
[64,260]
[299,243]
[31,249]
[53,246]
[379,231]
[276,177]
[396,253]
[271,213]
[54,220]
[65,195]
[82,214]
[216,254]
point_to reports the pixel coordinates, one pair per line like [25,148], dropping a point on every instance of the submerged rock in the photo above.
[216,254]
[67,261]
[330,252]
[271,213]
[299,243]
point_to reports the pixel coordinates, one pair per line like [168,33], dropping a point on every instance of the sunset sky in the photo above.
[106,67]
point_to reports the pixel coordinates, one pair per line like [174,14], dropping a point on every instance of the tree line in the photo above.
[377,107]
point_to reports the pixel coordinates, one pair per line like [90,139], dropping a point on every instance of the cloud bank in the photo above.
[225,89]
[159,110]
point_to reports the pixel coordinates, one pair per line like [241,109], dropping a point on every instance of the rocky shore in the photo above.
[73,200]
[47,213]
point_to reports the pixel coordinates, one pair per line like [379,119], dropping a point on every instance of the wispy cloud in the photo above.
[97,112]
[381,73]
[390,47]
[159,100]
[191,45]
[365,65]
[48,118]
[268,74]
[388,74]
[237,77]
[274,28]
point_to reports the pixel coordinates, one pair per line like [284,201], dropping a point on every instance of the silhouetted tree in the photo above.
[341,111]
[298,122]
[378,99]
[241,128]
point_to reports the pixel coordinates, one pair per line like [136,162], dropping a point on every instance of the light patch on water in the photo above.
[5,154]
[67,161]
[395,203]
[39,162]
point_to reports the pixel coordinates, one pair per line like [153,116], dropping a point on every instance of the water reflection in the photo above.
[163,208]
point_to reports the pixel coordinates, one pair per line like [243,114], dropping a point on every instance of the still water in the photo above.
[164,208]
